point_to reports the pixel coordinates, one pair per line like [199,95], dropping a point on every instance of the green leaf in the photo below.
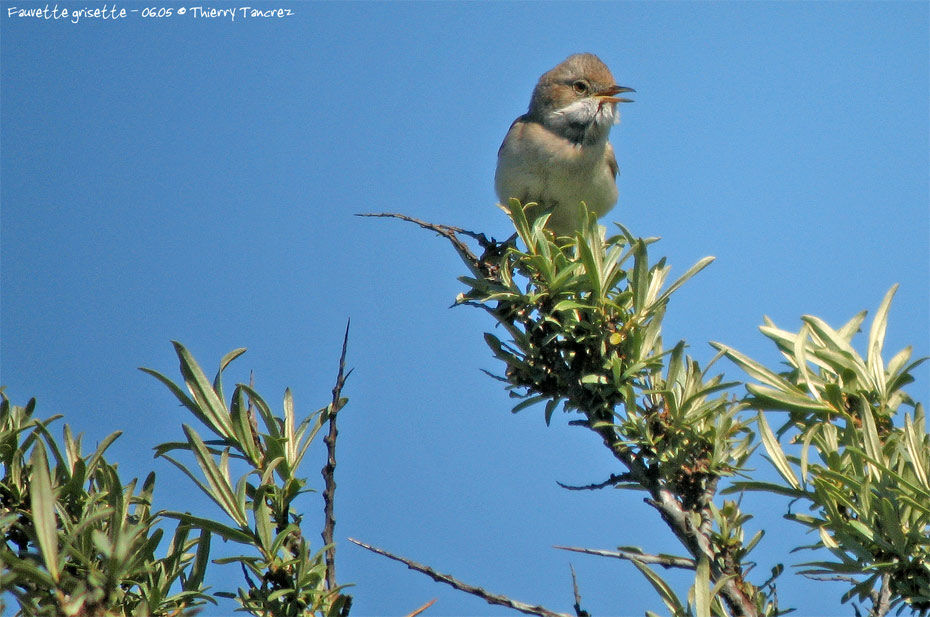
[837,349]
[852,326]
[245,437]
[224,362]
[700,265]
[788,400]
[528,402]
[877,340]
[566,305]
[42,501]
[870,438]
[178,393]
[767,487]
[262,515]
[201,559]
[221,490]
[754,369]
[224,531]
[550,407]
[753,541]
[593,268]
[290,438]
[916,451]
[268,418]
[701,588]
[211,406]
[776,454]
[662,588]
[517,214]
[640,280]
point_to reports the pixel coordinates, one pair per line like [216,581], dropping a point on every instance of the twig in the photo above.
[665,561]
[329,470]
[488,597]
[881,597]
[422,608]
[579,612]
[833,578]
[448,232]
[615,478]
[482,267]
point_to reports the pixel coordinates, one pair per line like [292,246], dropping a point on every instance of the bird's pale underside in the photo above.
[557,154]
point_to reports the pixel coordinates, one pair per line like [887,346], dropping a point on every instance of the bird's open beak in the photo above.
[611,91]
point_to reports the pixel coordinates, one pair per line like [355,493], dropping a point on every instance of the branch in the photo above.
[483,267]
[488,597]
[666,561]
[615,478]
[448,232]
[329,470]
[695,539]
[881,599]
[833,578]
[579,612]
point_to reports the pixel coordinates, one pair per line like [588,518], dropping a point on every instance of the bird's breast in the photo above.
[535,164]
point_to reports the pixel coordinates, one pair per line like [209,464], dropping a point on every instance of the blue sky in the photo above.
[196,180]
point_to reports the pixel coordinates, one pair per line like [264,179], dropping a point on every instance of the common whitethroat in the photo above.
[557,153]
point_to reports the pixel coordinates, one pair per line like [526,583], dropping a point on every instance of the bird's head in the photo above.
[577,99]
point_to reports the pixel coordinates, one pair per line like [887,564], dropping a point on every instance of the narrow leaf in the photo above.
[776,454]
[42,500]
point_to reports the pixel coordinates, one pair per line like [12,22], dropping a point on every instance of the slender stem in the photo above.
[329,470]
[579,612]
[666,561]
[422,608]
[613,480]
[490,598]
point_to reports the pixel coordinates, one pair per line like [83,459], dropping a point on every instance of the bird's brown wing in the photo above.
[612,160]
[519,120]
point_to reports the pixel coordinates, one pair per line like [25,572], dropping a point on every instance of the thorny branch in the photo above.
[328,472]
[490,598]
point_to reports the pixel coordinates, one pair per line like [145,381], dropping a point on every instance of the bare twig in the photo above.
[329,492]
[666,561]
[579,612]
[615,478]
[422,608]
[483,267]
[833,578]
[881,597]
[448,232]
[488,597]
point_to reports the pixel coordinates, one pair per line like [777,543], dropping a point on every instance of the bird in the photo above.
[557,154]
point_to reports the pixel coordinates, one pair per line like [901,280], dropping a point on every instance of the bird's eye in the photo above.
[580,86]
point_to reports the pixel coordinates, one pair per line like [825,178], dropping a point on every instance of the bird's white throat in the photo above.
[586,111]
[591,116]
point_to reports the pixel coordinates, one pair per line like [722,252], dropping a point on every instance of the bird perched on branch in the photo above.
[557,153]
